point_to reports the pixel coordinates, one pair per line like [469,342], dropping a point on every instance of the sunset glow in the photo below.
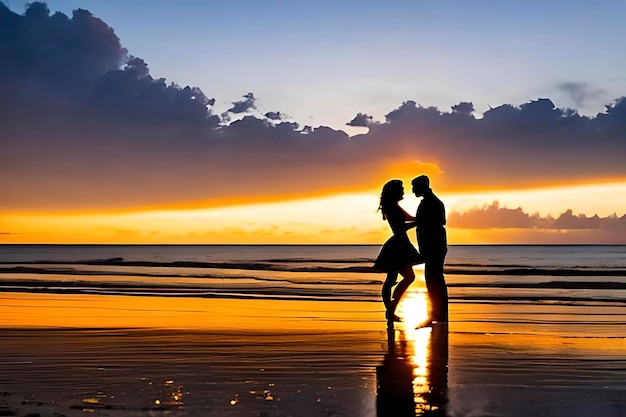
[344,218]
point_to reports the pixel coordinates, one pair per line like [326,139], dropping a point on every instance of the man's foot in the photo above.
[425,323]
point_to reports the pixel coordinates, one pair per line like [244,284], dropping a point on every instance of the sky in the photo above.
[279,122]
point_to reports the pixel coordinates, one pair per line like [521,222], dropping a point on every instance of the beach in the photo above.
[86,349]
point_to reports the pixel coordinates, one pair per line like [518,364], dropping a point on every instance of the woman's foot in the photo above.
[392,317]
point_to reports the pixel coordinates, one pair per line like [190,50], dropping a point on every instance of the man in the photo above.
[430,223]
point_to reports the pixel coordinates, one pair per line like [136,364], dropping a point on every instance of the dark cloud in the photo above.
[361,120]
[411,112]
[132,94]
[615,115]
[463,108]
[239,107]
[492,216]
[582,93]
[243,106]
[84,124]
[495,217]
[275,115]
[59,70]
[57,50]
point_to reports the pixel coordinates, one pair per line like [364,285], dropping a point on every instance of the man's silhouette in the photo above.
[430,223]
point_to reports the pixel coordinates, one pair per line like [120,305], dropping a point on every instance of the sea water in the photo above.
[573,274]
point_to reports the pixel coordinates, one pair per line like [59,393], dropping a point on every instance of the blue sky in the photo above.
[322,62]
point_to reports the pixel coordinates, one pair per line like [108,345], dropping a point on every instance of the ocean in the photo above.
[591,275]
[540,273]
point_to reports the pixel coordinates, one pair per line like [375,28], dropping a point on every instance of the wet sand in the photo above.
[155,356]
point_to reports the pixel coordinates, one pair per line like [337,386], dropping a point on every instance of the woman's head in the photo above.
[393,191]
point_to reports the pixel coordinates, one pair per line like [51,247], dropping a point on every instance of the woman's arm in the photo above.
[409,220]
[399,220]
[410,225]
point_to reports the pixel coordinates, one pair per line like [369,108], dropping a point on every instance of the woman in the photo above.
[398,255]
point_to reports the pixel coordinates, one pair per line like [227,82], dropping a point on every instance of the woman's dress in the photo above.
[398,251]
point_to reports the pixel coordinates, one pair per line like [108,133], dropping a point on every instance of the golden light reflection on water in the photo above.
[420,339]
[163,395]
[414,308]
[95,311]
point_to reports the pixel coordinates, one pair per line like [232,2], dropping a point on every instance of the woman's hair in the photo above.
[391,194]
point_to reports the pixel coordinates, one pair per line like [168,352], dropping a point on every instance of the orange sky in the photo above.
[345,218]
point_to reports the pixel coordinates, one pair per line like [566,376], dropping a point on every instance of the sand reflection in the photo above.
[413,378]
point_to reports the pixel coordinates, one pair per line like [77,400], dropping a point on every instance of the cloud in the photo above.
[275,115]
[243,106]
[463,108]
[85,125]
[361,120]
[582,93]
[59,70]
[410,112]
[56,49]
[492,216]
[495,217]
[132,95]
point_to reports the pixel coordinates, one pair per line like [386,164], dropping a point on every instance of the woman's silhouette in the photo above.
[397,255]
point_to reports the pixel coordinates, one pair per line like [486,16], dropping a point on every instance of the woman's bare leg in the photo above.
[392,278]
[408,276]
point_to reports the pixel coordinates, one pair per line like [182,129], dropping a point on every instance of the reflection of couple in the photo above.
[398,255]
[413,378]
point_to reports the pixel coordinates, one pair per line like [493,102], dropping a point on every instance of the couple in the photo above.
[398,255]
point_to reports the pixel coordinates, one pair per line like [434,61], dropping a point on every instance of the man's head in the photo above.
[420,185]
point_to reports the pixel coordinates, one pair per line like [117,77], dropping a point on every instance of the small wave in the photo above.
[561,285]
[178,291]
[509,298]
[479,266]
[131,274]
[559,272]
[308,292]
[543,322]
[361,265]
[518,333]
[321,261]
[252,266]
